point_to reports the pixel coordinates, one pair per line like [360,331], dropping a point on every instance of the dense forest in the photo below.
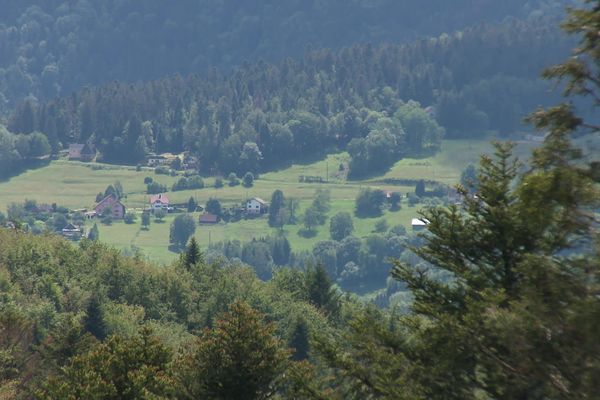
[53,47]
[517,318]
[379,102]
[500,290]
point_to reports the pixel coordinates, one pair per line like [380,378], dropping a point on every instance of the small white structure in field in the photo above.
[419,224]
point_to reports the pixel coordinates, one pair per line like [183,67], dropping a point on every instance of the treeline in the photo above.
[264,114]
[18,151]
[53,47]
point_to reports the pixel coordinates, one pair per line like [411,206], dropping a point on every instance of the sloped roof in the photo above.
[70,227]
[109,201]
[208,218]
[159,197]
[75,150]
[419,222]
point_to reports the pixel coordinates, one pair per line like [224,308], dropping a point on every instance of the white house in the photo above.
[256,205]
[419,224]
[159,202]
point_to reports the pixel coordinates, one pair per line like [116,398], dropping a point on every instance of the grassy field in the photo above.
[75,185]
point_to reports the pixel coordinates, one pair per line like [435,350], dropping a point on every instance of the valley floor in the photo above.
[75,185]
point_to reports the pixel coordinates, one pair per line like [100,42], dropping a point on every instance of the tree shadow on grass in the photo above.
[24,167]
[307,233]
[174,248]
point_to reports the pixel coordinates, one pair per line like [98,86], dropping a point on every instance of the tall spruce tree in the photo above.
[506,300]
[299,341]
[240,358]
[193,255]
[94,318]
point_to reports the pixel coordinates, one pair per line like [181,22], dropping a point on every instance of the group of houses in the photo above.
[187,161]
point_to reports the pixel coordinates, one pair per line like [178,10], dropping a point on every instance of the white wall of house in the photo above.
[159,205]
[253,206]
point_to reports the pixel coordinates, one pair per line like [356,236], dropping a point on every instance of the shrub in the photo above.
[233,179]
[248,179]
[130,218]
[155,188]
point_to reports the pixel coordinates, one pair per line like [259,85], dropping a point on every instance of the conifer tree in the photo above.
[299,341]
[320,290]
[94,233]
[193,255]
[239,358]
[94,318]
[516,312]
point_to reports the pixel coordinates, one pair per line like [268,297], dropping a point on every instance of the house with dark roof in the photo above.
[72,232]
[82,152]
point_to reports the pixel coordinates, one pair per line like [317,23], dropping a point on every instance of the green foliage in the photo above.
[155,188]
[18,151]
[381,226]
[299,340]
[106,218]
[94,234]
[146,220]
[240,358]
[160,214]
[420,188]
[131,368]
[369,203]
[307,109]
[130,218]
[310,219]
[94,318]
[182,227]
[192,205]
[276,207]
[213,206]
[248,180]
[320,290]
[191,183]
[468,177]
[341,225]
[193,256]
[395,199]
[316,214]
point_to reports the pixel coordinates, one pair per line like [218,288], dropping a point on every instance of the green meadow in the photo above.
[75,185]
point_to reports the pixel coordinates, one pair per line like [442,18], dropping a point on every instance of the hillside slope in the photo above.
[52,47]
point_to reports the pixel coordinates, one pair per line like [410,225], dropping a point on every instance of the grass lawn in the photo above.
[75,185]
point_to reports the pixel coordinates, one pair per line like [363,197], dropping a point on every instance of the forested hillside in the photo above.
[53,47]
[379,102]
[496,298]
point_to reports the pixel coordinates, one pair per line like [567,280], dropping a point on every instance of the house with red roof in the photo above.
[110,205]
[159,202]
[208,219]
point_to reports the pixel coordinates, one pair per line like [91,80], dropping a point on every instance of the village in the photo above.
[112,208]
